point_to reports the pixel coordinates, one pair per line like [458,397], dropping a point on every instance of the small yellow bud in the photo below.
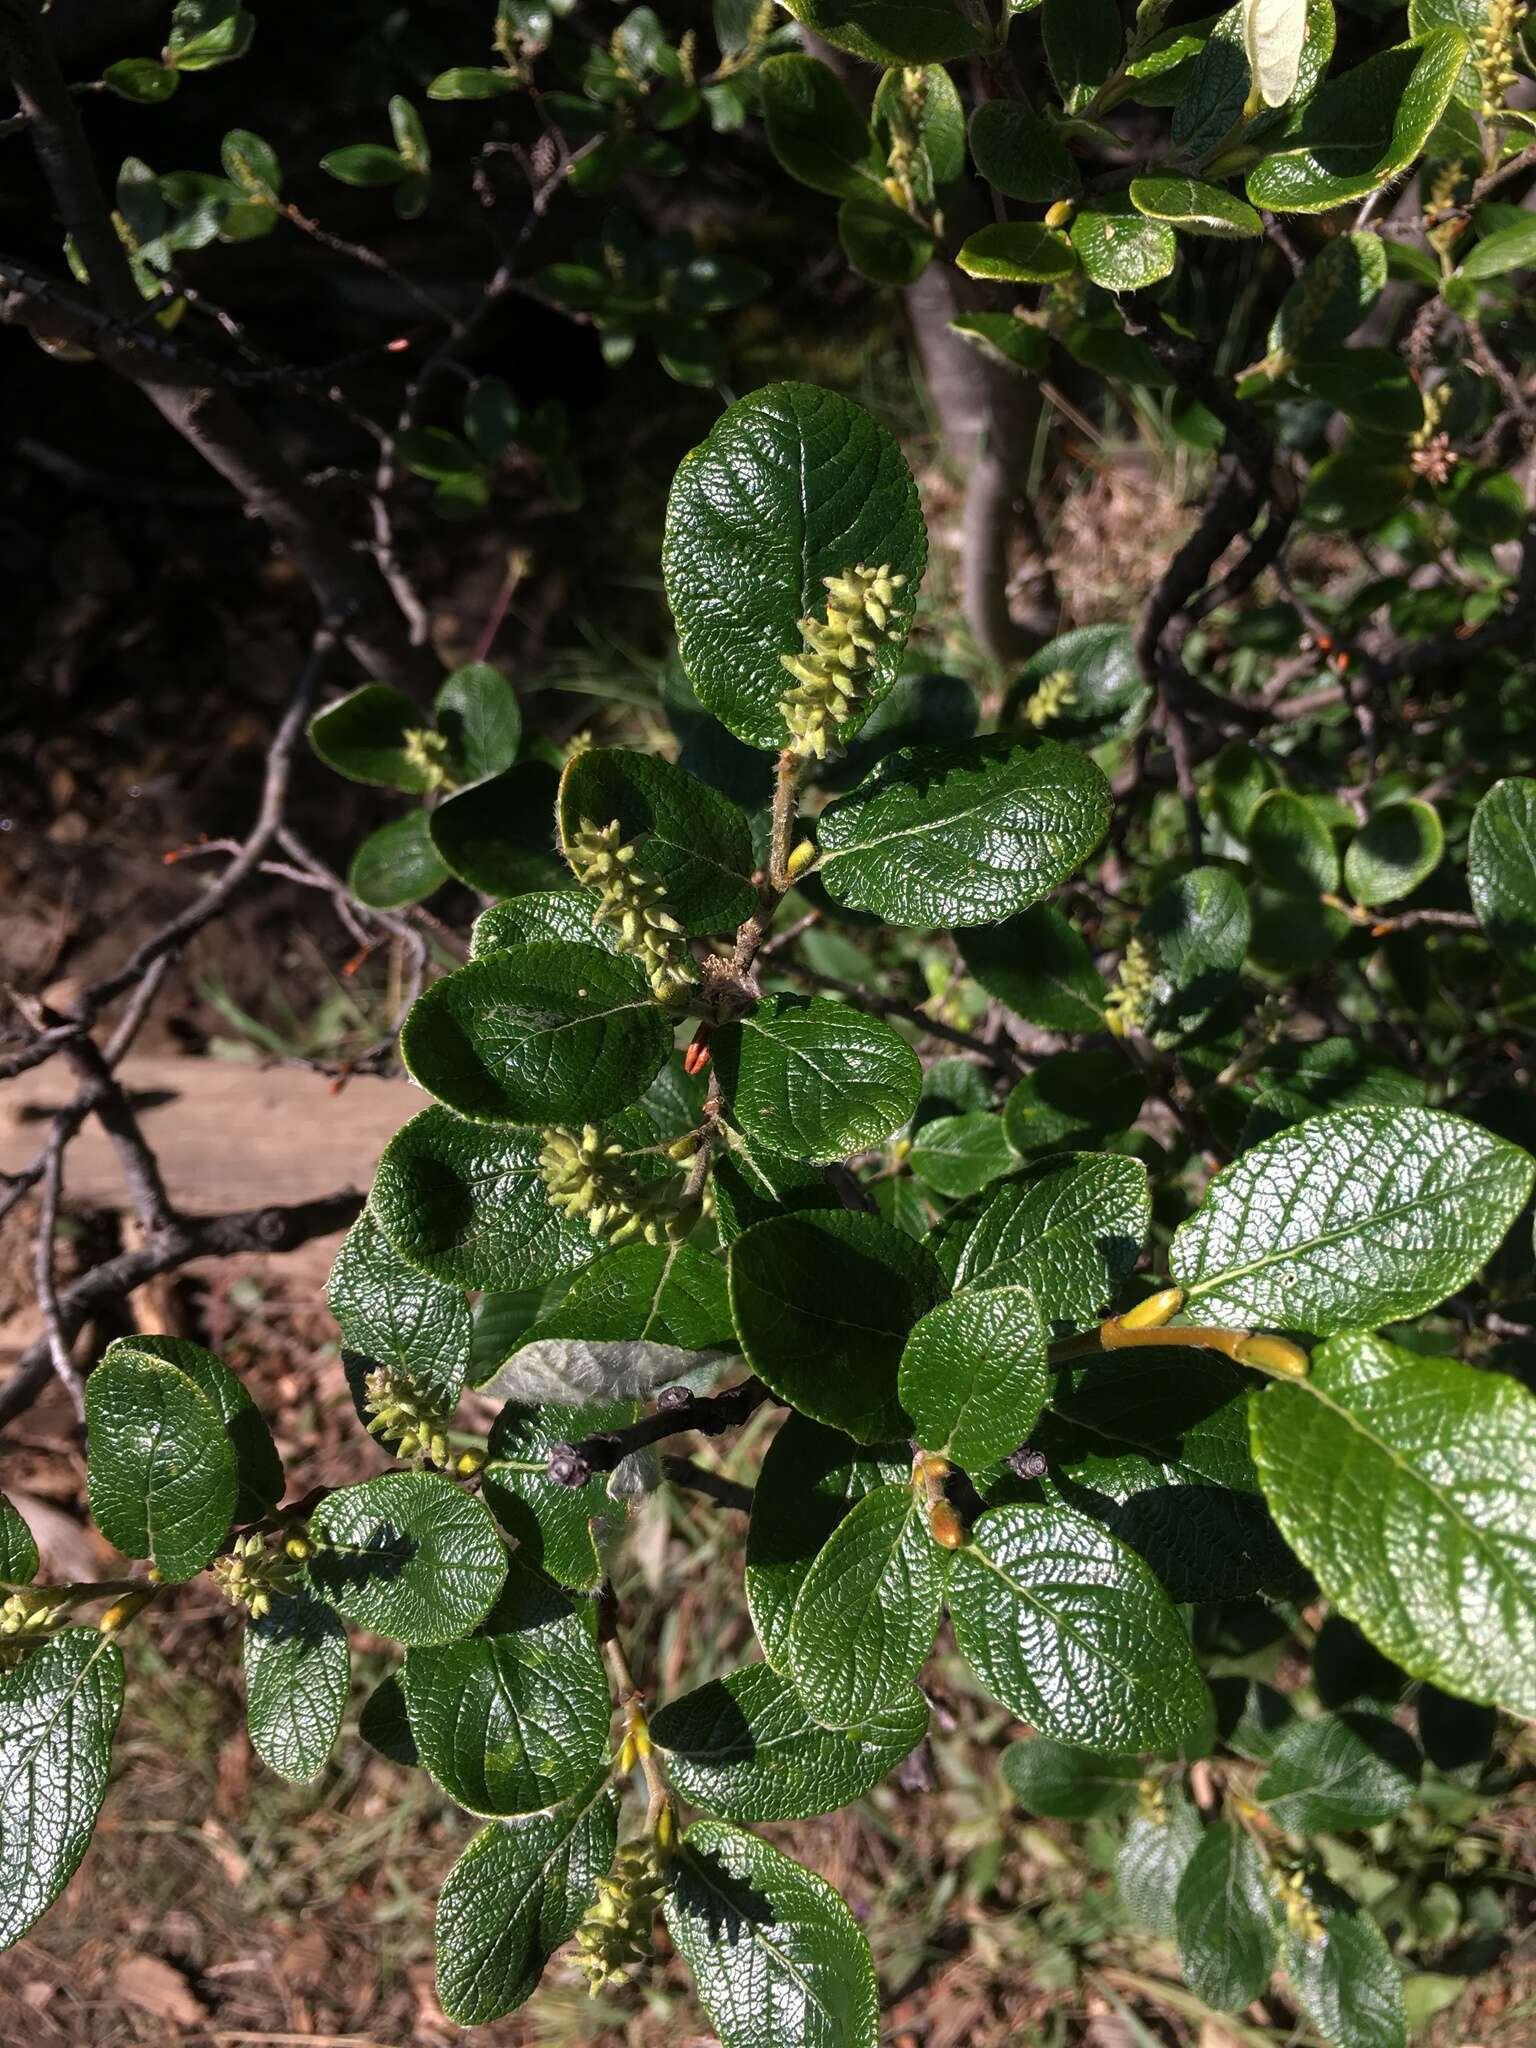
[1057,216]
[945,1526]
[1275,1355]
[468,1463]
[121,1612]
[1155,1311]
[800,859]
[297,1545]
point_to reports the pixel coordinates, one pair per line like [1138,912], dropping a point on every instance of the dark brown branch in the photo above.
[705,1414]
[730,1493]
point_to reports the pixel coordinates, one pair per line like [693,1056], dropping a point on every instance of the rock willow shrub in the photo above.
[661,1189]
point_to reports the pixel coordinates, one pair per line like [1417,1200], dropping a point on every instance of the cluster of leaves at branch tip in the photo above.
[588,1179]
[1129,1002]
[835,667]
[633,902]
[616,1933]
[413,1427]
[254,1571]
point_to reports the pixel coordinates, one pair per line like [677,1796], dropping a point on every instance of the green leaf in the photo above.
[252,164]
[162,1469]
[1083,41]
[1105,696]
[1214,99]
[1357,488]
[408,1555]
[1407,1486]
[1069,1630]
[1372,386]
[297,1676]
[1021,154]
[141,79]
[882,241]
[973,1374]
[1198,930]
[866,1616]
[1488,506]
[1399,847]
[499,835]
[775,1954]
[366,738]
[478,714]
[744,1748]
[814,129]
[891,32]
[960,1155]
[1063,1783]
[539,914]
[1195,207]
[1039,965]
[1071,1233]
[1361,130]
[516,1718]
[397,865]
[205,33]
[1072,1098]
[364,163]
[1339,1773]
[1004,338]
[964,834]
[1154,1857]
[473,82]
[552,1524]
[18,1551]
[1507,248]
[1290,844]
[518,1891]
[1226,1934]
[538,1034]
[1501,868]
[693,840]
[925,105]
[391,1312]
[434,453]
[1346,1980]
[793,485]
[810,1479]
[645,1298]
[382,1723]
[1350,1220]
[823,1304]
[1017,252]
[1330,298]
[1119,248]
[466,1203]
[59,1710]
[258,1468]
[814,1078]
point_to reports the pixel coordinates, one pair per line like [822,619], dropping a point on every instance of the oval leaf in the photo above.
[408,1555]
[815,1079]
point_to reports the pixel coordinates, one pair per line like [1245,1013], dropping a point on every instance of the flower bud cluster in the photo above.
[253,1571]
[32,1611]
[616,1933]
[411,1426]
[1498,40]
[633,903]
[589,1179]
[1128,1003]
[1302,1917]
[835,668]
[1056,692]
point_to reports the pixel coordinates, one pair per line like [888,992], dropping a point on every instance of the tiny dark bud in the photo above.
[567,1467]
[673,1397]
[1028,1463]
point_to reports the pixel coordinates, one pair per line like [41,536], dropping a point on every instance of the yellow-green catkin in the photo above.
[590,1180]
[251,1573]
[633,903]
[427,751]
[414,1428]
[616,1933]
[1129,1002]
[1054,694]
[1497,41]
[906,122]
[32,1611]
[835,668]
[1302,1917]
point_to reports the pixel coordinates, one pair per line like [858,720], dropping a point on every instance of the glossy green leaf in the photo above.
[1063,1783]
[364,163]
[1039,965]
[552,1524]
[1215,93]
[924,104]
[398,864]
[1195,208]
[814,129]
[814,1078]
[1407,1486]
[1069,1630]
[1354,1219]
[1153,1858]
[692,839]
[368,738]
[744,1748]
[499,835]
[1223,1910]
[1083,42]
[959,1155]
[391,1312]
[466,1203]
[660,1297]
[141,79]
[1362,129]
[518,1891]
[1017,252]
[59,1710]
[1070,1233]
[774,1952]
[515,1718]
[1346,1979]
[1096,689]
[965,834]
[408,1555]
[1399,846]
[891,32]
[162,1474]
[1501,867]
[1340,1772]
[1073,1098]
[478,714]
[882,241]
[810,1478]
[1507,248]
[1330,298]
[1197,930]
[18,1550]
[794,484]
[1004,338]
[258,1468]
[823,1304]
[866,1616]
[1021,154]
[205,33]
[973,1374]
[540,914]
[538,1034]
[297,1676]
[1119,248]
[1290,844]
